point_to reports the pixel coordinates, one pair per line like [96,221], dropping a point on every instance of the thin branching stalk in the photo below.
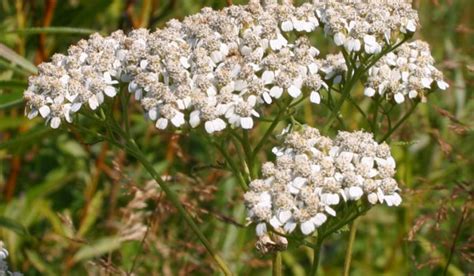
[302,99]
[277,264]
[342,223]
[133,149]
[242,154]
[140,249]
[399,123]
[347,261]
[316,256]
[248,153]
[124,100]
[374,123]
[359,109]
[456,235]
[235,169]
[355,74]
[270,129]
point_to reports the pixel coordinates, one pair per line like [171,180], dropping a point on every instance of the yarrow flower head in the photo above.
[407,72]
[312,174]
[215,68]
[3,256]
[3,252]
[366,25]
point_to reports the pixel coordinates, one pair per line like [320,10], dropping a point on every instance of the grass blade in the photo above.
[53,30]
[10,99]
[13,84]
[15,58]
[13,67]
[98,248]
[26,139]
[13,226]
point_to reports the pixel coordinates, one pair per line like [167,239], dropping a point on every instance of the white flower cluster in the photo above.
[313,173]
[406,72]
[214,68]
[334,67]
[3,256]
[366,25]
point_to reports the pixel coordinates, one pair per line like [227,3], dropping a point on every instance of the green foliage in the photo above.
[64,198]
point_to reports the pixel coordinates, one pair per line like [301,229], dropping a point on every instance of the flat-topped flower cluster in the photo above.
[312,173]
[366,25]
[407,72]
[215,68]
[218,68]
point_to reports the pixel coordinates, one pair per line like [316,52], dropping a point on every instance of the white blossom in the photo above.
[352,23]
[313,173]
[406,73]
[214,68]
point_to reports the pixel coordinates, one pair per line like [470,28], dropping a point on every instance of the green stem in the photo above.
[248,153]
[347,261]
[349,62]
[330,100]
[345,94]
[358,72]
[302,99]
[124,99]
[374,124]
[270,130]
[242,155]
[384,52]
[277,264]
[453,244]
[233,166]
[316,256]
[133,149]
[359,109]
[341,224]
[399,123]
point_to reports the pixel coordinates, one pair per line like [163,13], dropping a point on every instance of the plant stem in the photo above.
[344,95]
[124,99]
[242,155]
[248,153]
[399,123]
[232,165]
[347,261]
[355,74]
[374,124]
[456,234]
[359,109]
[133,149]
[316,256]
[341,224]
[277,264]
[270,130]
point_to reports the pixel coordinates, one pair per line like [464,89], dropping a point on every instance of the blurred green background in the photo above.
[71,205]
